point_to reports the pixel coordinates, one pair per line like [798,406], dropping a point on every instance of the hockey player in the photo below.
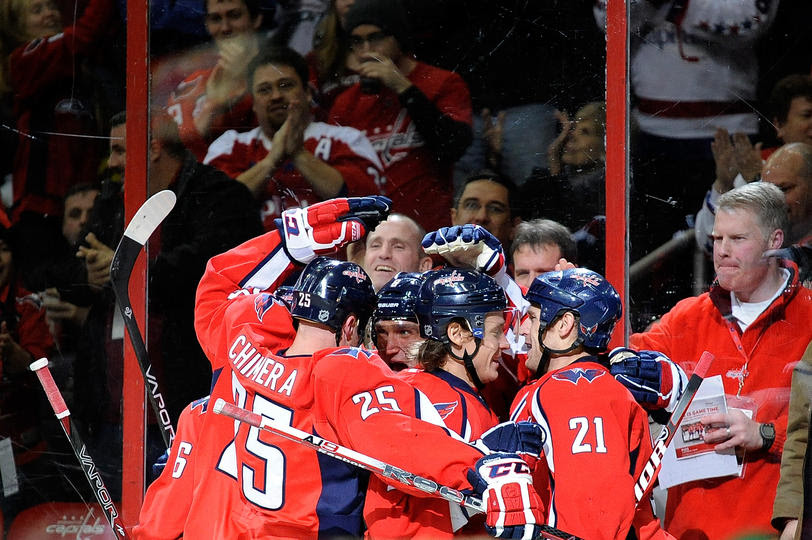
[597,437]
[321,384]
[394,331]
[460,314]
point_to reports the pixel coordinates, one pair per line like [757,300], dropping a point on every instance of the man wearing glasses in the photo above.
[418,117]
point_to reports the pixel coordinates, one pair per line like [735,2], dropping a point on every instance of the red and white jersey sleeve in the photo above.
[236,273]
[597,441]
[345,149]
[166,504]
[188,101]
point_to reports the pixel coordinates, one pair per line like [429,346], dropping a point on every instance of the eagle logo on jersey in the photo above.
[262,303]
[574,375]
[445,409]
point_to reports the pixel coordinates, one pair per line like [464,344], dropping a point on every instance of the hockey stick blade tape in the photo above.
[704,364]
[150,215]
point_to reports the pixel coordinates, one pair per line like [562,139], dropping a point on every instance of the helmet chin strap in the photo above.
[468,361]
[548,352]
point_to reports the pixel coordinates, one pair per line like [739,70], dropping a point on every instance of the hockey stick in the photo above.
[142,225]
[40,367]
[371,464]
[645,482]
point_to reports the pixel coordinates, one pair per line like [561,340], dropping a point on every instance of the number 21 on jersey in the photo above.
[581,426]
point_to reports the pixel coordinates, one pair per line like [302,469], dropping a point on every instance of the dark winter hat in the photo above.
[388,15]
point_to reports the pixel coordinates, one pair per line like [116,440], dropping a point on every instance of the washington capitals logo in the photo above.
[588,330]
[587,280]
[450,279]
[573,375]
[357,274]
[262,303]
[445,409]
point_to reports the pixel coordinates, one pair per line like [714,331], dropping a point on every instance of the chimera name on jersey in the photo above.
[261,369]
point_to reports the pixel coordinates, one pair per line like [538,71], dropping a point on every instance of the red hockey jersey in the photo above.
[344,149]
[419,185]
[390,513]
[597,442]
[347,395]
[166,504]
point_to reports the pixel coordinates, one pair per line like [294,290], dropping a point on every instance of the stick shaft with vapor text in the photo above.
[92,474]
[140,228]
[363,461]
[645,482]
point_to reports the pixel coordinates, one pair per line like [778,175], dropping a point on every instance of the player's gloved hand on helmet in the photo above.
[525,438]
[467,246]
[326,226]
[653,379]
[513,508]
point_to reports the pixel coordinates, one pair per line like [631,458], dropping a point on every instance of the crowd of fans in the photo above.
[456,111]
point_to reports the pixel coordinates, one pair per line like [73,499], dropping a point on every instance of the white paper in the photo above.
[709,465]
[8,472]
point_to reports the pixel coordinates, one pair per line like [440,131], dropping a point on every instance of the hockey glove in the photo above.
[519,437]
[467,245]
[326,226]
[653,379]
[513,508]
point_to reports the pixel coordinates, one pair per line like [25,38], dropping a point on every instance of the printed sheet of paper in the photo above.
[688,458]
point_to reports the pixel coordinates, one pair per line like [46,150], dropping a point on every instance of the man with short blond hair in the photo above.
[755,321]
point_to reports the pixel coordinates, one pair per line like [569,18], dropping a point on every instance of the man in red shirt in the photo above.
[417,116]
[211,100]
[289,160]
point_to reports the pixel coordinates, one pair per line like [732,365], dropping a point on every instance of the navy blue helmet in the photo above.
[396,300]
[454,293]
[328,291]
[583,292]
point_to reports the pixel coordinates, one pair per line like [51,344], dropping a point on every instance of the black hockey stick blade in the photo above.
[645,482]
[92,474]
[142,225]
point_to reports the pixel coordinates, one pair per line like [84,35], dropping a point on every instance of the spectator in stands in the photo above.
[483,40]
[755,321]
[40,67]
[24,337]
[332,64]
[694,68]
[417,116]
[212,214]
[538,245]
[791,108]
[489,200]
[572,191]
[394,246]
[289,160]
[789,168]
[210,101]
